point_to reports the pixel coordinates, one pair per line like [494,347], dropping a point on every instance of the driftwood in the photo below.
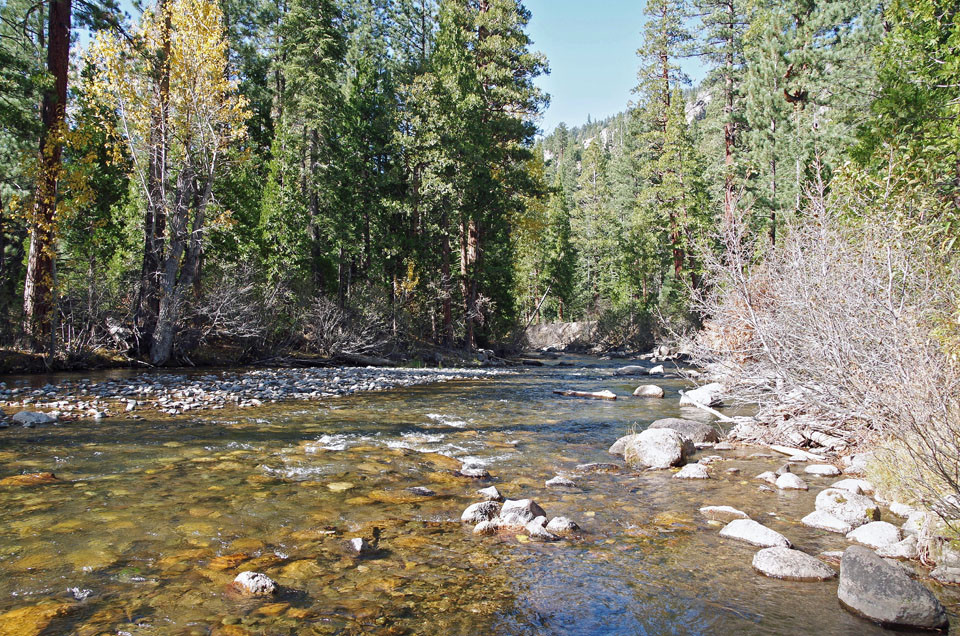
[720,416]
[599,395]
[787,450]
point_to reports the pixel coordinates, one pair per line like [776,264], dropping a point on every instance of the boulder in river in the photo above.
[768,476]
[884,592]
[562,526]
[29,419]
[483,511]
[851,508]
[789,481]
[692,471]
[791,565]
[696,432]
[822,470]
[491,494]
[621,444]
[648,391]
[754,533]
[254,584]
[723,513]
[633,369]
[657,448]
[876,534]
[706,395]
[519,512]
[906,549]
[856,486]
[825,521]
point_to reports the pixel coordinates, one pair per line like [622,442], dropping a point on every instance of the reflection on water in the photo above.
[154,518]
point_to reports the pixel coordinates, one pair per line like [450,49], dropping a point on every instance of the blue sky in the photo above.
[592,49]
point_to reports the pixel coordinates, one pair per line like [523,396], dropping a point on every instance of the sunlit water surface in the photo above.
[154,518]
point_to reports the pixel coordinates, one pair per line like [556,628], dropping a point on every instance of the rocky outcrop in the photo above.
[885,593]
[791,565]
[696,432]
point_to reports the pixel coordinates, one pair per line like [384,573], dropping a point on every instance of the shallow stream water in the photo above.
[154,518]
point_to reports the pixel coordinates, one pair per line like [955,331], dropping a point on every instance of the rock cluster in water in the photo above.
[174,394]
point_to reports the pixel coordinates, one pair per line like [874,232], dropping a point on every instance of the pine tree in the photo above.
[560,257]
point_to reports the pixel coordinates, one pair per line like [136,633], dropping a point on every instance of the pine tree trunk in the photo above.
[446,287]
[38,300]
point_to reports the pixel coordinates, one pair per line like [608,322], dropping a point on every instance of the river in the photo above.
[153,519]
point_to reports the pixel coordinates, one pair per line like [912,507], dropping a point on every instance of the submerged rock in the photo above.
[648,391]
[421,491]
[694,431]
[29,419]
[32,620]
[254,584]
[473,471]
[723,513]
[885,593]
[692,471]
[769,476]
[657,448]
[825,521]
[754,533]
[791,565]
[486,528]
[599,467]
[851,508]
[789,481]
[483,511]
[632,369]
[559,482]
[29,479]
[876,534]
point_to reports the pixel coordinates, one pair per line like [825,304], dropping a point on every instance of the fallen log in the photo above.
[364,361]
[599,395]
[720,416]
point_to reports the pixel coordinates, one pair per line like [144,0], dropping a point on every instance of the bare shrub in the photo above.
[331,330]
[832,332]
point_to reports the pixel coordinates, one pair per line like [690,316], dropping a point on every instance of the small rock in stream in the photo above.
[750,531]
[850,508]
[658,449]
[692,430]
[822,470]
[560,482]
[825,521]
[723,513]
[648,391]
[422,491]
[876,534]
[254,584]
[536,531]
[789,481]
[692,471]
[491,494]
[791,565]
[562,526]
[482,511]
[519,512]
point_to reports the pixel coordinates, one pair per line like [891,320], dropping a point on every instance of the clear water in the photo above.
[155,517]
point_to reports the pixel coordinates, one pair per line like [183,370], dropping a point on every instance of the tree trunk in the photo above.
[38,290]
[446,282]
[155,219]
